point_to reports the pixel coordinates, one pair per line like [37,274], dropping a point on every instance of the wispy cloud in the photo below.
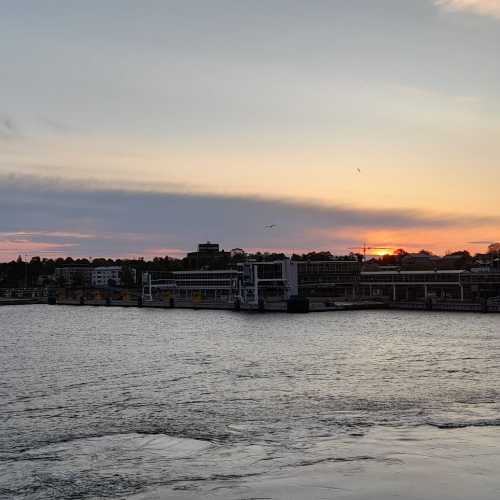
[8,128]
[55,125]
[483,7]
[13,247]
[54,234]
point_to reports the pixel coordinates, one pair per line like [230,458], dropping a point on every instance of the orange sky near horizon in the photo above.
[364,107]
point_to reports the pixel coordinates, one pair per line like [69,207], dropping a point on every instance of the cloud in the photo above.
[119,222]
[483,7]
[55,125]
[480,242]
[55,234]
[14,247]
[8,128]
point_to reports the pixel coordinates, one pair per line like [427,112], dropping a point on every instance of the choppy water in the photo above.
[109,402]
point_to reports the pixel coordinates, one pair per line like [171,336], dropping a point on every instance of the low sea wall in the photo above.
[282,306]
[276,306]
[446,306]
[18,302]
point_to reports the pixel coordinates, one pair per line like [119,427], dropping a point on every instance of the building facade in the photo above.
[330,279]
[209,256]
[268,281]
[257,282]
[73,275]
[217,286]
[194,286]
[438,285]
[106,276]
[87,276]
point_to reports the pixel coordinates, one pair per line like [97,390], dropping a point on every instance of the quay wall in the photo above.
[278,306]
[131,298]
[282,306]
[446,306]
[18,302]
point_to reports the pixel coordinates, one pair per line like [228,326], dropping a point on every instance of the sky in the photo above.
[142,128]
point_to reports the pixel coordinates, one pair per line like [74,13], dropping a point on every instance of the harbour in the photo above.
[212,278]
[250,250]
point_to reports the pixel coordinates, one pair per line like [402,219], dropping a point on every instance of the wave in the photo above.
[50,450]
[463,424]
[360,458]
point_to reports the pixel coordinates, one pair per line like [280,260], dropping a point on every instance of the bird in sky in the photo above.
[271,226]
[359,170]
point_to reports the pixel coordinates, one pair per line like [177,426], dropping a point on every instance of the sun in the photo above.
[380,252]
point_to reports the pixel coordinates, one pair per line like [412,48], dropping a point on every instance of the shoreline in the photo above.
[277,307]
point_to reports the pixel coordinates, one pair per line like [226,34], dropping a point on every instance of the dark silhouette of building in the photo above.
[208,256]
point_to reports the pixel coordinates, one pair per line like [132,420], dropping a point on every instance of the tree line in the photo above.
[38,271]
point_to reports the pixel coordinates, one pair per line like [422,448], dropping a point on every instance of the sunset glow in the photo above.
[250,126]
[382,251]
[250,249]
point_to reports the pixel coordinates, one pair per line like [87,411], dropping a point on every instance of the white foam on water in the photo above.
[167,446]
[128,444]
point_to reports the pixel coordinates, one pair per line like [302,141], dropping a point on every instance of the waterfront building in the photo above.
[157,285]
[217,286]
[438,285]
[45,279]
[330,279]
[106,276]
[194,286]
[209,256]
[421,261]
[73,275]
[273,281]
[88,276]
[280,280]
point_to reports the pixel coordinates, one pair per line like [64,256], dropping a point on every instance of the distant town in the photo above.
[213,277]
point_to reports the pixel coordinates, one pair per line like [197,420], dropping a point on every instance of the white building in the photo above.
[268,281]
[212,286]
[104,276]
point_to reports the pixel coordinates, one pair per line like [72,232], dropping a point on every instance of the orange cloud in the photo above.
[483,7]
[12,248]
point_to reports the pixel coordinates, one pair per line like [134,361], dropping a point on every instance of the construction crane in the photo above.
[365,248]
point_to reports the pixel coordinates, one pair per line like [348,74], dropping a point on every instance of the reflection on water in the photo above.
[107,402]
